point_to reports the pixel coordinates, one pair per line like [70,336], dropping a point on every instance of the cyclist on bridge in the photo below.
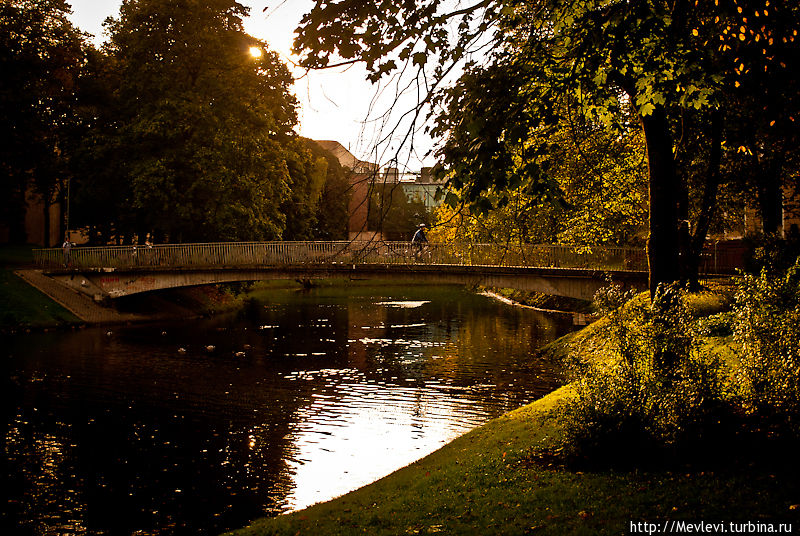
[419,240]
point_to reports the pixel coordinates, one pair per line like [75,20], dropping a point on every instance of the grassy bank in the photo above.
[22,306]
[507,478]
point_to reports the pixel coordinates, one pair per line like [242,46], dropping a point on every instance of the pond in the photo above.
[197,427]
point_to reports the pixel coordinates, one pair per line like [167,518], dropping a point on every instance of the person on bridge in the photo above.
[419,240]
[66,248]
[419,236]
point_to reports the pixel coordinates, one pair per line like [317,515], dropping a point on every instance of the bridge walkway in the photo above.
[575,271]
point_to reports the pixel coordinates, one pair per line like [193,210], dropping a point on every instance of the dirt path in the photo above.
[79,304]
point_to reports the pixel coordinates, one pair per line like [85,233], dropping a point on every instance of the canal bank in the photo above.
[33,301]
[507,477]
[24,306]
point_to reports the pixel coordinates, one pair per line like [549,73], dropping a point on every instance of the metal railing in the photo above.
[235,254]
[278,254]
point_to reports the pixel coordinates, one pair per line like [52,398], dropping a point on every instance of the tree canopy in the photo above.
[200,121]
[553,61]
[189,136]
[41,59]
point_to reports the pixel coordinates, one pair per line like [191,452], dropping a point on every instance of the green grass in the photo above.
[506,478]
[16,256]
[21,305]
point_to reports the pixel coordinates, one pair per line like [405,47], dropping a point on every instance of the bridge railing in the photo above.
[233,254]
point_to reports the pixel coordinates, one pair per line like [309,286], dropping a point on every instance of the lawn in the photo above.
[21,305]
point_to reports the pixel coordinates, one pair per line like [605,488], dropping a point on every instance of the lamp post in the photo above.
[66,230]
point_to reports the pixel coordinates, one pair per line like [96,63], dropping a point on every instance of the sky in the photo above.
[335,104]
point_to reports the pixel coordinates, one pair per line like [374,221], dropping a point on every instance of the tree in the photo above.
[307,175]
[601,198]
[764,109]
[596,58]
[41,59]
[393,214]
[200,126]
[332,210]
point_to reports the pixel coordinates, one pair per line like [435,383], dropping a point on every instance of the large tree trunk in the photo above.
[708,202]
[770,193]
[46,220]
[663,242]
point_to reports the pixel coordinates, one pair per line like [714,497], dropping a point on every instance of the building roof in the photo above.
[346,158]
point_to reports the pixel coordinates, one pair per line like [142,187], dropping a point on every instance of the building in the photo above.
[362,175]
[365,175]
[42,223]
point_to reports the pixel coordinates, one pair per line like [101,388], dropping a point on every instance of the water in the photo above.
[202,426]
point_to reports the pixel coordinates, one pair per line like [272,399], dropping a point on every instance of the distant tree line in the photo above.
[179,128]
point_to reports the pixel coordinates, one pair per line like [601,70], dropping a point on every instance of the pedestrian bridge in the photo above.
[572,271]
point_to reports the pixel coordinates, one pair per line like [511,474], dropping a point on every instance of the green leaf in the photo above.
[647,108]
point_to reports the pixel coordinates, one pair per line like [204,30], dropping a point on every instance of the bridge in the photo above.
[116,271]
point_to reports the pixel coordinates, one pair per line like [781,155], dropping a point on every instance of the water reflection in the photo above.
[197,427]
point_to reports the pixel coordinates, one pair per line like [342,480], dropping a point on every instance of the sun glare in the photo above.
[256,52]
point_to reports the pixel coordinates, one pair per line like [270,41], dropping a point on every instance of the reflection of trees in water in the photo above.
[480,332]
[508,338]
[125,440]
[122,431]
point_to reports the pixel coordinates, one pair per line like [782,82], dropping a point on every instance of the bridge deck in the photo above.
[319,254]
[552,269]
[239,254]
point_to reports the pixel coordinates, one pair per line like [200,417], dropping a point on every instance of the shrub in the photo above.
[718,325]
[767,313]
[652,388]
[773,253]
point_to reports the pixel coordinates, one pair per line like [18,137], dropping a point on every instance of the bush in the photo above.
[718,325]
[767,313]
[652,389]
[773,253]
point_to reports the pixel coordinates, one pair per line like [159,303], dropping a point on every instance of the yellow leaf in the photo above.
[737,84]
[772,123]
[695,32]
